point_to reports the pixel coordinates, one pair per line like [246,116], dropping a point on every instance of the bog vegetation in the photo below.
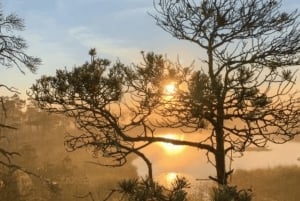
[59,175]
[44,170]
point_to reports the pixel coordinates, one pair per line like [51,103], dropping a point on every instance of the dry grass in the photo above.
[273,184]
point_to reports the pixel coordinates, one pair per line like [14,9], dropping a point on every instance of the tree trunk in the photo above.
[220,158]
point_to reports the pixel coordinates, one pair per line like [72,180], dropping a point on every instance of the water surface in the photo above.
[193,164]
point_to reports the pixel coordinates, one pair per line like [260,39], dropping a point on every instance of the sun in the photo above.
[171,148]
[170,89]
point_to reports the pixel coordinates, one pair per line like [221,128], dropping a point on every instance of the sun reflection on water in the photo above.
[170,177]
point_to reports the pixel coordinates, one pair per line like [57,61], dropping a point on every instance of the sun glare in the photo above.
[169,91]
[171,148]
[170,88]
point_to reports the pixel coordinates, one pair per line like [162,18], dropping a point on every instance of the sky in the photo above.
[61,32]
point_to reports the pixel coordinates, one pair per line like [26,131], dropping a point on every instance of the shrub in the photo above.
[147,189]
[230,193]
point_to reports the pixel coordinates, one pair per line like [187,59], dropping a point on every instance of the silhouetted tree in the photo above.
[244,89]
[13,47]
[12,54]
[112,104]
[243,93]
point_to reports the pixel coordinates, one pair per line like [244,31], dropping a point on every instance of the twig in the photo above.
[110,194]
[7,126]
[89,194]
[11,89]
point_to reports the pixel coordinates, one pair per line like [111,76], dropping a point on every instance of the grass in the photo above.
[272,184]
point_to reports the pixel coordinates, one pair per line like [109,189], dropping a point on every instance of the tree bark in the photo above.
[220,158]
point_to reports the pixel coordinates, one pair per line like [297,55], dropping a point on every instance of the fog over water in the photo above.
[169,161]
